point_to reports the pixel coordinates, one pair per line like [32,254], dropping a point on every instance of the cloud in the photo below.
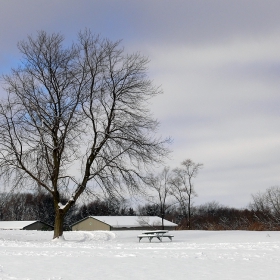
[187,22]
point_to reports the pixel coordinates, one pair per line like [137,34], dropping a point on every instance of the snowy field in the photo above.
[118,255]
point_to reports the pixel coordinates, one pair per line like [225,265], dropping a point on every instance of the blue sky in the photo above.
[217,62]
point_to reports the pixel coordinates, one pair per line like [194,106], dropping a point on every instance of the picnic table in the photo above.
[159,234]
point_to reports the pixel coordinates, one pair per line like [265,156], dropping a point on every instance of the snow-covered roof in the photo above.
[15,224]
[133,221]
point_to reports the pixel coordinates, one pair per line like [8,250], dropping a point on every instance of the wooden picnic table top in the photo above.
[155,232]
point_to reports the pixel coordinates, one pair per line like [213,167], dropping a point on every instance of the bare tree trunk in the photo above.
[58,224]
[162,223]
[189,213]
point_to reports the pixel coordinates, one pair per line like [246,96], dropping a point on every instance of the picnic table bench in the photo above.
[159,234]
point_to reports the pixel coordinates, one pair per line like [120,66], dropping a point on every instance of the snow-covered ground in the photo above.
[118,255]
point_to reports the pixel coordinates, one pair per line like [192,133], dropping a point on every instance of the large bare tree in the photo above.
[77,118]
[183,187]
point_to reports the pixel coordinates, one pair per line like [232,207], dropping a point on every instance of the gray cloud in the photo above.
[170,22]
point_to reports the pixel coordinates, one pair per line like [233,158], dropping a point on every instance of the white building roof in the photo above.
[15,224]
[133,221]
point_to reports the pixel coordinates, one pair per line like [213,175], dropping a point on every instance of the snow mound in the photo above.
[59,239]
[87,236]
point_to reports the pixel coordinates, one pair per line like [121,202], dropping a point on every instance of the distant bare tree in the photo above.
[267,207]
[77,117]
[144,221]
[183,187]
[162,187]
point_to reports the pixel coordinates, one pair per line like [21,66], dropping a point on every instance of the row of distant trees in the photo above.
[261,214]
[39,206]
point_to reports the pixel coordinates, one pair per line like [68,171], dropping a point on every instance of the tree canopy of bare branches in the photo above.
[77,117]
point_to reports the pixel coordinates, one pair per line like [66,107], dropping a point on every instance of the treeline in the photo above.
[39,206]
[30,206]
[263,213]
[213,216]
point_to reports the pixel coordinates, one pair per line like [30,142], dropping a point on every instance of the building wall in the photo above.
[90,224]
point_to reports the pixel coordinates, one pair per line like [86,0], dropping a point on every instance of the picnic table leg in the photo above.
[158,237]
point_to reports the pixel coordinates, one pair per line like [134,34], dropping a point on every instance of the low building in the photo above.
[24,225]
[91,223]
